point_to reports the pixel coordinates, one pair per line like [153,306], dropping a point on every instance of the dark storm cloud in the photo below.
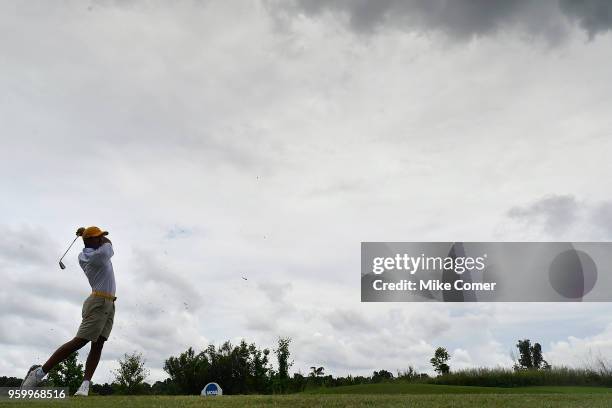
[555,212]
[593,16]
[463,19]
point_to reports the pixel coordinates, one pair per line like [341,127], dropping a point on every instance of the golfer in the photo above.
[98,310]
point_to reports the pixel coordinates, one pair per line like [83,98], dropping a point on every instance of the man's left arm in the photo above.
[104,253]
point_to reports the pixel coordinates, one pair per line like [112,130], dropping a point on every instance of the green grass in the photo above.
[398,387]
[337,401]
[395,394]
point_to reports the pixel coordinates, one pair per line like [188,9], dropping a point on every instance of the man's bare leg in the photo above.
[63,352]
[36,373]
[93,358]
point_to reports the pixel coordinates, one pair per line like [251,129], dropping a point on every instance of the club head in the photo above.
[62,266]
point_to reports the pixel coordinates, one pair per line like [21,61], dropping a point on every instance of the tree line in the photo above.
[247,369]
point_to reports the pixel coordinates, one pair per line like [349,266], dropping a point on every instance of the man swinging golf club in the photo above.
[98,309]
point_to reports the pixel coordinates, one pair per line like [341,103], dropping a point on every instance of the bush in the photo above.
[242,369]
[129,378]
[68,373]
[505,377]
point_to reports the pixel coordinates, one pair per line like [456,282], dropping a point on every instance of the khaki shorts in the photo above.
[98,314]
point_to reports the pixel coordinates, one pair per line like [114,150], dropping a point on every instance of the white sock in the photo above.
[85,382]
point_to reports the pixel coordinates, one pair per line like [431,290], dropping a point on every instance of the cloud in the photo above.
[557,216]
[594,16]
[466,19]
[349,320]
[275,292]
[577,351]
[280,151]
[261,322]
[556,213]
[26,245]
[601,216]
[149,268]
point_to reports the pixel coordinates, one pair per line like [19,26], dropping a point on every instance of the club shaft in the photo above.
[70,246]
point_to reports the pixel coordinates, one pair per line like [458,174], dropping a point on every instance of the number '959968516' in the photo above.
[45,393]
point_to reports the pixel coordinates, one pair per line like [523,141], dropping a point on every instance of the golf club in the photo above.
[61,264]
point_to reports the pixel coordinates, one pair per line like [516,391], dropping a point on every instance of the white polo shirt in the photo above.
[98,268]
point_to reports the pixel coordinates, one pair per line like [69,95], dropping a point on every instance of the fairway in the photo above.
[398,387]
[340,401]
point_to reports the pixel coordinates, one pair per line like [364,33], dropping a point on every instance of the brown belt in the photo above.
[104,295]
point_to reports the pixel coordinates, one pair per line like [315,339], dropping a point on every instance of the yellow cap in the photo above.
[92,232]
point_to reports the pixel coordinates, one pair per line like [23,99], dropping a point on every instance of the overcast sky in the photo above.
[266,140]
